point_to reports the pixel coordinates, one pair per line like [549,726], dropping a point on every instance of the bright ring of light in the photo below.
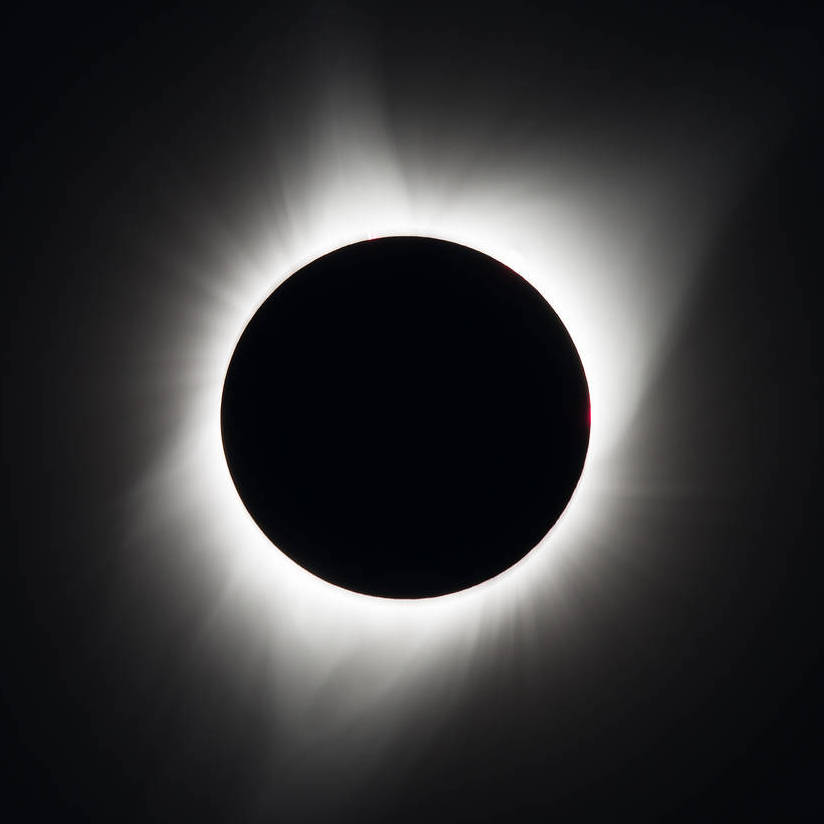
[576,250]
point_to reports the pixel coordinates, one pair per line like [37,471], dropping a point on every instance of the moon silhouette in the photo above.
[405,417]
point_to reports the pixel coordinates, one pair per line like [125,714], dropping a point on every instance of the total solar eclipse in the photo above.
[405,417]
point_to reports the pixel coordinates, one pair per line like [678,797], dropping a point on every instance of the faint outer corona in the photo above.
[405,417]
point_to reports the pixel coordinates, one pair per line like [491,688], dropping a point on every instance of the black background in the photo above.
[689,687]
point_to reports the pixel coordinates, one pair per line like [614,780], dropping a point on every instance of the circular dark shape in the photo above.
[405,417]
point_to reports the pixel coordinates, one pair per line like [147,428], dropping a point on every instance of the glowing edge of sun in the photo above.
[573,251]
[319,615]
[613,248]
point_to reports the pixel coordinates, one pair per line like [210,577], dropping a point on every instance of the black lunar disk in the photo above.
[405,417]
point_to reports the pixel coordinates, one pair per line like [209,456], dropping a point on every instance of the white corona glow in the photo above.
[613,254]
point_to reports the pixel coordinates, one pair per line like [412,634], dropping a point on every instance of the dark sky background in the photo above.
[686,681]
